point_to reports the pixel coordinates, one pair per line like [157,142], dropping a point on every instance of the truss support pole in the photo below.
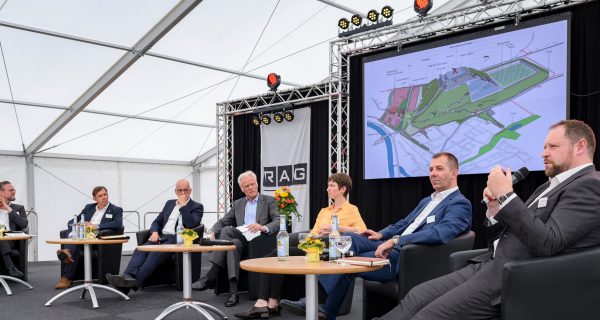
[33,224]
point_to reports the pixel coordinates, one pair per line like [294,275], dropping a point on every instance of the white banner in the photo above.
[285,156]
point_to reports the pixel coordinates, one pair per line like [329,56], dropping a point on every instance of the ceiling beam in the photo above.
[344,8]
[106,113]
[142,46]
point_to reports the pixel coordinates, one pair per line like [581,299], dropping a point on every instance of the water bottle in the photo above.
[283,241]
[82,228]
[179,230]
[333,252]
[74,234]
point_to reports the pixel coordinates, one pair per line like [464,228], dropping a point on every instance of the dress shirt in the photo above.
[436,198]
[97,217]
[169,227]
[4,219]
[348,216]
[250,211]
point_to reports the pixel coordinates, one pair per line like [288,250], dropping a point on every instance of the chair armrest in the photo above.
[142,236]
[111,232]
[262,245]
[560,287]
[64,233]
[460,259]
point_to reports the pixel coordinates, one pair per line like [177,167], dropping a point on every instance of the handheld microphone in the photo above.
[517,176]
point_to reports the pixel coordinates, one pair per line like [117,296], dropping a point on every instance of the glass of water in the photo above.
[208,233]
[343,243]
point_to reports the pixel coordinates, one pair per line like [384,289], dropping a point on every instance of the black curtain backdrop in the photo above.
[385,201]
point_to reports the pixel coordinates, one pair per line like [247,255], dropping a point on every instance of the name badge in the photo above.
[430,219]
[108,216]
[542,202]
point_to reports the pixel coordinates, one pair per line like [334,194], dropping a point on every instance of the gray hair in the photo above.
[245,174]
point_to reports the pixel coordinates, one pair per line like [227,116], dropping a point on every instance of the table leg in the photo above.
[312,301]
[7,288]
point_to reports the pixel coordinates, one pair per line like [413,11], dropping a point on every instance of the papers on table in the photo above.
[249,235]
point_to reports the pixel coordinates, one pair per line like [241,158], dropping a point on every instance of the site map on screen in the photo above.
[488,101]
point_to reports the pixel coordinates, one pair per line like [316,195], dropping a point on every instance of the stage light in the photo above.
[423,6]
[273,81]
[387,12]
[255,120]
[356,20]
[288,115]
[343,23]
[373,15]
[278,117]
[266,120]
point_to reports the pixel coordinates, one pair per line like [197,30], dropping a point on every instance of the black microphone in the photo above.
[517,176]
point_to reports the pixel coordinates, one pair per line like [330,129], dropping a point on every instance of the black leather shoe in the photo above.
[14,272]
[204,284]
[123,281]
[273,312]
[232,300]
[254,313]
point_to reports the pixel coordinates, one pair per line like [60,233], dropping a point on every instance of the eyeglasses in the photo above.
[182,190]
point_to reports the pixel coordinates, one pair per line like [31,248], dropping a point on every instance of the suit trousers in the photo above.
[142,263]
[463,294]
[6,248]
[230,260]
[70,269]
[336,285]
[271,284]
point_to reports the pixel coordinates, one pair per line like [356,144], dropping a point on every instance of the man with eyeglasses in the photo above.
[257,212]
[13,218]
[162,231]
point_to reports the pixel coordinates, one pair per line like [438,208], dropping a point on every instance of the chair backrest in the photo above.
[420,263]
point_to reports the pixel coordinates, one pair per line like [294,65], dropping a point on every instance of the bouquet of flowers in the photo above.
[189,234]
[312,244]
[287,204]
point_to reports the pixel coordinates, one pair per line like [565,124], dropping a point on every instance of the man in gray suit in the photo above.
[255,211]
[560,216]
[13,218]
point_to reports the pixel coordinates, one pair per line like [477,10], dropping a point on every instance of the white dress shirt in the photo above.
[436,198]
[169,227]
[97,217]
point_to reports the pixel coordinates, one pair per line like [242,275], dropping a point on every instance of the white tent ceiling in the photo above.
[53,51]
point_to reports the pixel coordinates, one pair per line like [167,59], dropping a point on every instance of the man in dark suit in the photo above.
[101,215]
[560,216]
[437,219]
[255,211]
[13,218]
[162,231]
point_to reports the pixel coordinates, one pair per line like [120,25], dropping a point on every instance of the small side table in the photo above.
[187,277]
[87,285]
[3,278]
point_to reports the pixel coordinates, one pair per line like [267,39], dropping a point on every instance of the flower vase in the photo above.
[312,255]
[188,242]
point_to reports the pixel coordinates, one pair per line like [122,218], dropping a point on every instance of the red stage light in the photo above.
[273,81]
[423,6]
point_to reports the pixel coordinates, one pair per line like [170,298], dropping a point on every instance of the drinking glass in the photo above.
[208,233]
[2,229]
[302,236]
[343,243]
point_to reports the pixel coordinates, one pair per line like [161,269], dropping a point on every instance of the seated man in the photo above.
[101,215]
[12,217]
[338,188]
[258,212]
[162,230]
[437,219]
[560,216]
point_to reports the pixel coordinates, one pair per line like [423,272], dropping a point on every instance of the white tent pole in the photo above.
[33,225]
[146,42]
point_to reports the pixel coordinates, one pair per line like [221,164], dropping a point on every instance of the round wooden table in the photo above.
[3,278]
[299,265]
[87,285]
[187,277]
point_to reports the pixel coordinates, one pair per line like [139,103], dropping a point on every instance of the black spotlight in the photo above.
[373,15]
[356,20]
[278,117]
[255,120]
[387,12]
[266,120]
[423,6]
[343,23]
[273,81]
[288,115]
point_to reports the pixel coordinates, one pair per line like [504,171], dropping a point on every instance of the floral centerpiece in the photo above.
[189,235]
[313,248]
[287,204]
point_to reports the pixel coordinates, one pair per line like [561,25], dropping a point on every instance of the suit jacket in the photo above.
[267,214]
[452,218]
[568,221]
[111,220]
[191,215]
[17,218]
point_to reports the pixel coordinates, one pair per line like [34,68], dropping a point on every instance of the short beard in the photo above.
[555,170]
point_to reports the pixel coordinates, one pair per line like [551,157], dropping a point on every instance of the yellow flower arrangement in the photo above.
[189,234]
[287,204]
[312,244]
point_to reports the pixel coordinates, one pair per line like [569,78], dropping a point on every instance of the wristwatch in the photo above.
[396,239]
[503,197]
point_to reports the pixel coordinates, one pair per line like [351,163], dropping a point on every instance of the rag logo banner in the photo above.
[285,154]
